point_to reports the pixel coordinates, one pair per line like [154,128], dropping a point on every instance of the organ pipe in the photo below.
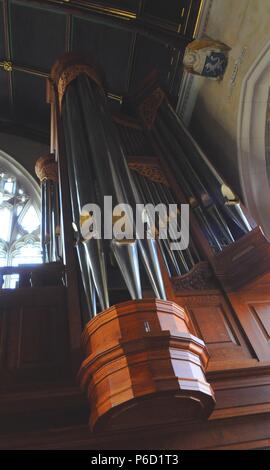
[217,207]
[112,171]
[97,168]
[83,192]
[46,171]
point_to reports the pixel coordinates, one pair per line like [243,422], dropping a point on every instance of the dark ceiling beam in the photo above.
[7,48]
[68,40]
[38,73]
[119,19]
[7,42]
[22,68]
[188,16]
[79,6]
[131,61]
[133,51]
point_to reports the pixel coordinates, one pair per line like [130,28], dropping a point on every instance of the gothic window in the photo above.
[19,218]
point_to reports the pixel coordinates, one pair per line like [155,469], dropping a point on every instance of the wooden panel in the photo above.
[91,40]
[261,314]
[33,338]
[248,432]
[214,321]
[214,325]
[242,391]
[253,310]
[34,43]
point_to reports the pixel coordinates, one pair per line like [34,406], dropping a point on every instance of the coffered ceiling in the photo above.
[34,33]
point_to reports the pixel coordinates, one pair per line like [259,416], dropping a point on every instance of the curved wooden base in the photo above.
[143,367]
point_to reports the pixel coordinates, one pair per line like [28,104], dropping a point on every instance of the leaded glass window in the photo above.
[19,223]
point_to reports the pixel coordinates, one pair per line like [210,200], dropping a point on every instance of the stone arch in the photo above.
[251,139]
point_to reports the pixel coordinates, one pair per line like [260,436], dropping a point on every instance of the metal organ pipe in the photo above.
[164,146]
[82,193]
[221,208]
[46,171]
[97,167]
[107,167]
[180,262]
[81,249]
[202,194]
[114,178]
[164,244]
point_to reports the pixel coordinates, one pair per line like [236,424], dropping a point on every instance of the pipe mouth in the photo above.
[124,242]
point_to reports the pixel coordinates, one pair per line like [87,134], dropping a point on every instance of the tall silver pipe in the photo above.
[164,244]
[53,222]
[102,142]
[82,189]
[195,256]
[157,199]
[148,250]
[126,255]
[87,280]
[48,220]
[112,172]
[42,225]
[149,253]
[46,171]
[184,182]
[218,184]
[185,256]
[96,258]
[237,214]
[225,233]
[58,244]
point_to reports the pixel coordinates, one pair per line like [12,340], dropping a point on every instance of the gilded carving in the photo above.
[149,107]
[72,72]
[150,171]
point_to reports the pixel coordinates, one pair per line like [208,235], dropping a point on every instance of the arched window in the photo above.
[19,217]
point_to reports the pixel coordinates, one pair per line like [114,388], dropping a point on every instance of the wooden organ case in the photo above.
[179,358]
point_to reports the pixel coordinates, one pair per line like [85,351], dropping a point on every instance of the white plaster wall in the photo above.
[24,151]
[245,26]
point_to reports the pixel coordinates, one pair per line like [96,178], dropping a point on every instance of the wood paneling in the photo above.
[253,309]
[33,336]
[261,313]
[216,323]
[248,432]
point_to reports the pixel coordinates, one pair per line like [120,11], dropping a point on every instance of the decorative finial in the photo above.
[46,168]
